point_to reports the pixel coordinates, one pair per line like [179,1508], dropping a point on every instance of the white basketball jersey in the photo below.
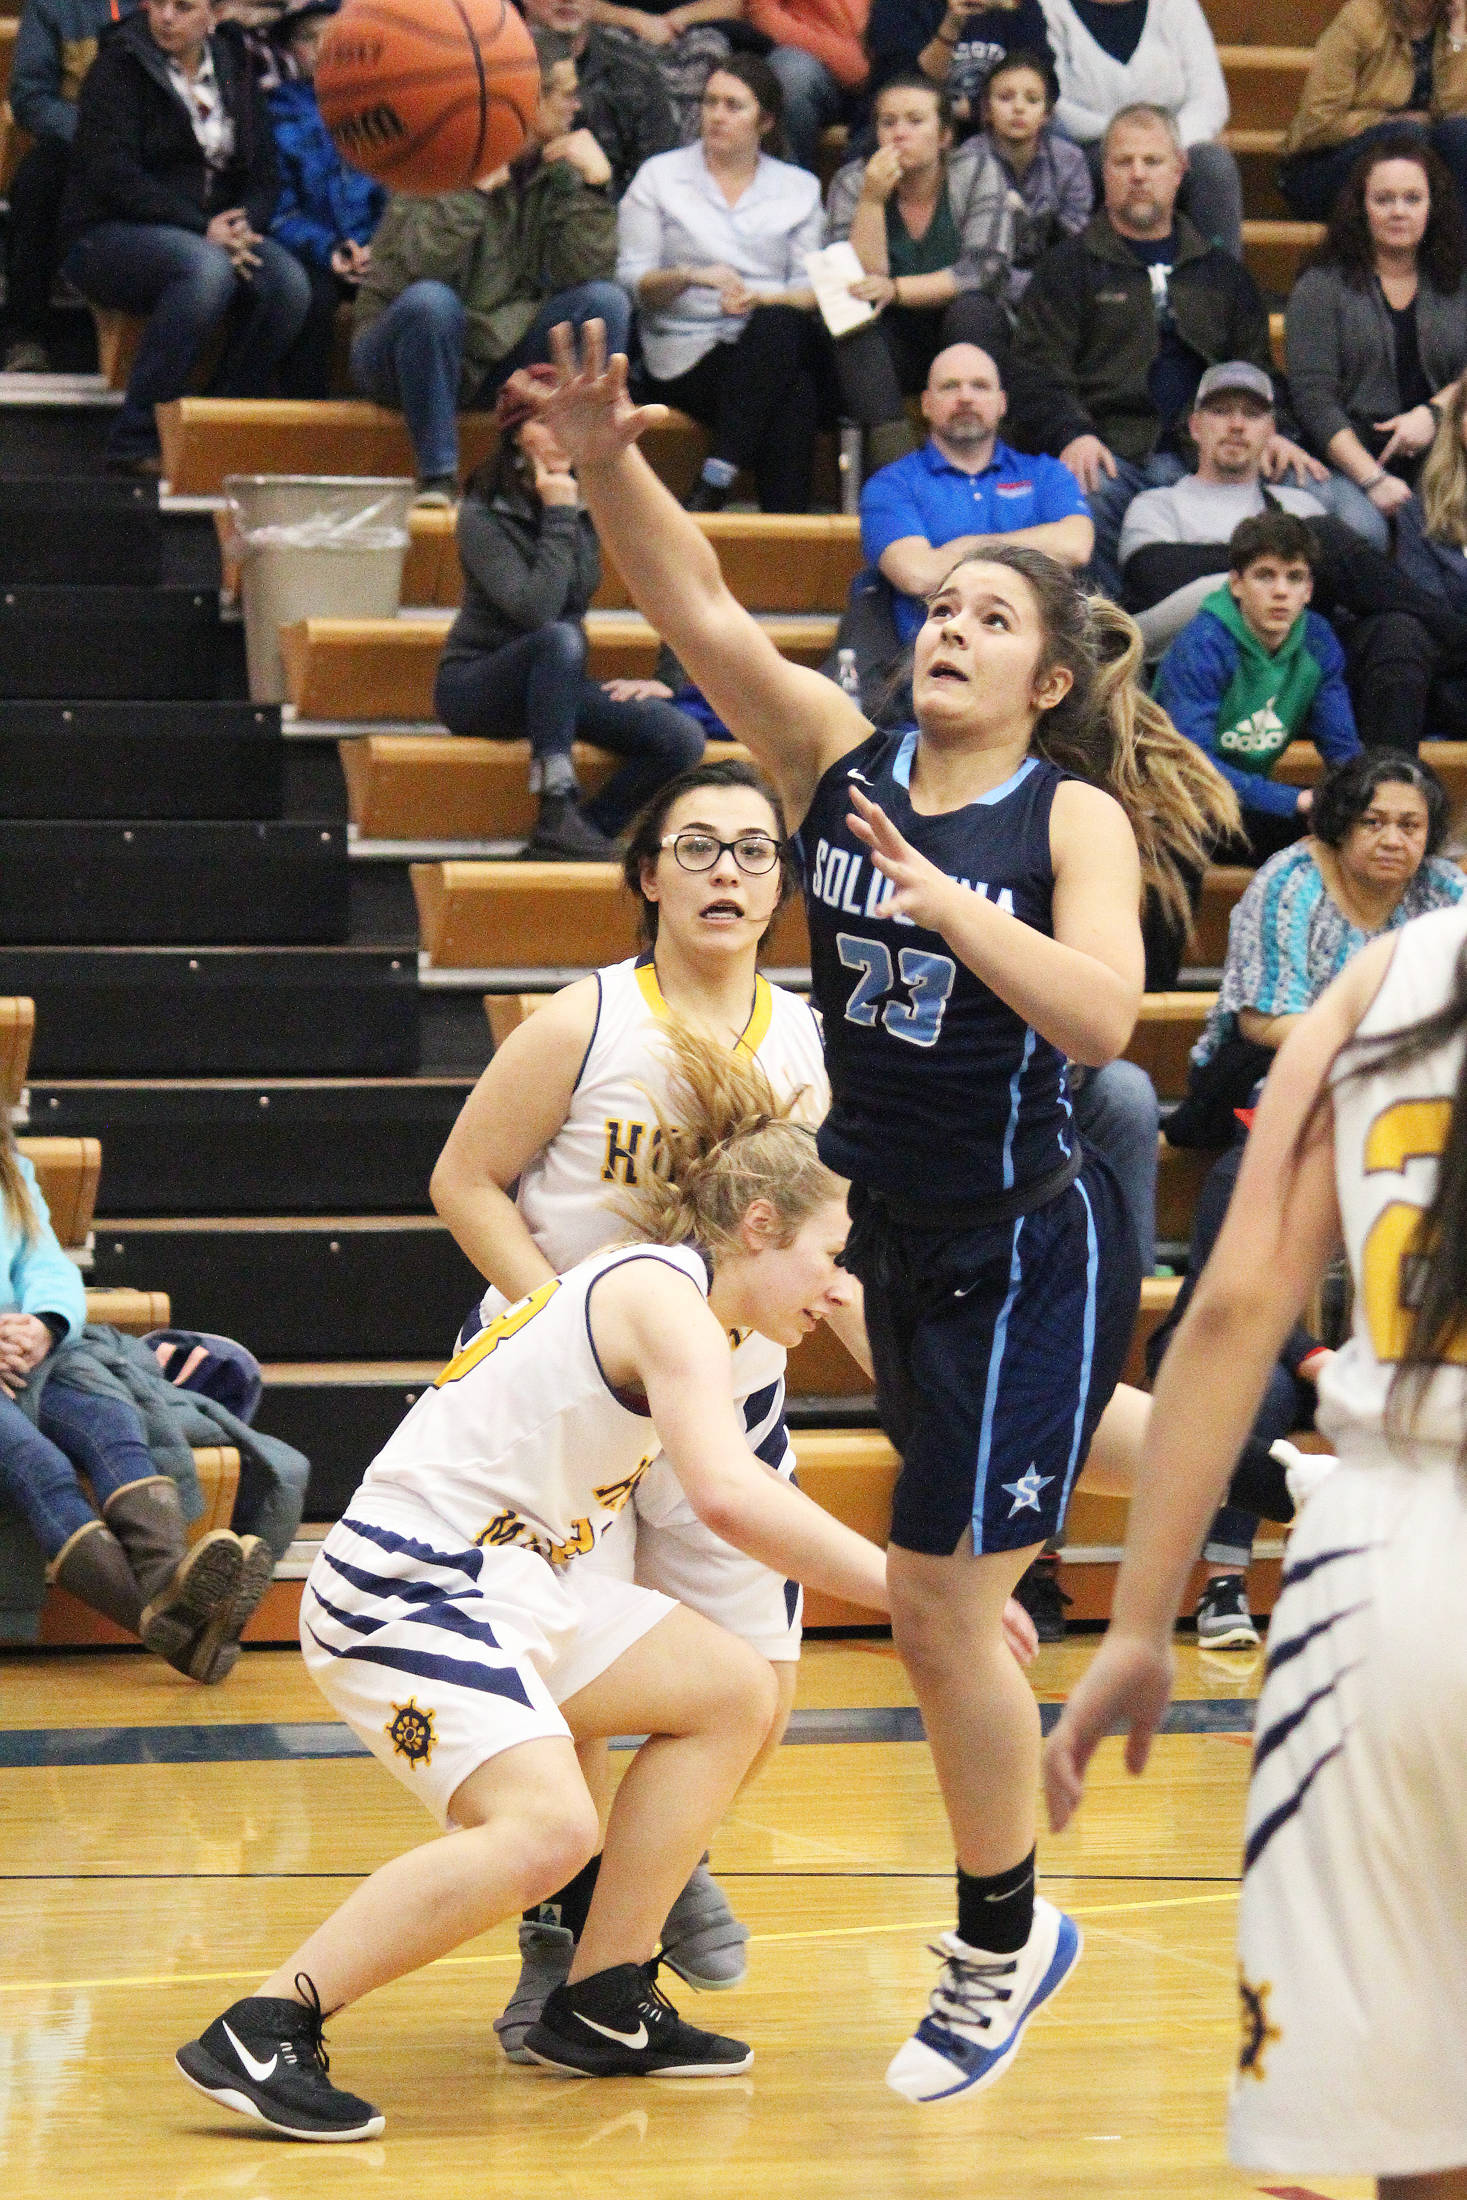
[520,1440]
[610,1132]
[1390,1130]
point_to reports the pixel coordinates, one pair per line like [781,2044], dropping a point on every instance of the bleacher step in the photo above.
[96,760]
[158,883]
[117,642]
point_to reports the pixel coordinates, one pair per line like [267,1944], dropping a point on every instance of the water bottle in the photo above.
[847,677]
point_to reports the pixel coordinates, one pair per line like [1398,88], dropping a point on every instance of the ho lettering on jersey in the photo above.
[512,1528]
[627,1144]
[839,879]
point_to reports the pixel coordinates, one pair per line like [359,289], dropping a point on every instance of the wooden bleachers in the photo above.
[1166,1031]
[415,787]
[65,1621]
[545,916]
[68,1171]
[133,1312]
[17,1030]
[365,669]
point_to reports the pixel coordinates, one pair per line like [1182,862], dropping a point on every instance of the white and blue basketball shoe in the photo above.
[979,2008]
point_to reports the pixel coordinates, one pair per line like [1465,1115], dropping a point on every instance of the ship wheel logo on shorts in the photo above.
[1258,2033]
[410,1732]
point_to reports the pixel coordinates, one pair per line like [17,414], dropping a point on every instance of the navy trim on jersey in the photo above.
[1277,1819]
[625,1261]
[382,1585]
[470,1562]
[490,1680]
[595,1028]
[1281,1729]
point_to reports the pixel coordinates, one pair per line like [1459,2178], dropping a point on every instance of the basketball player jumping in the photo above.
[973,892]
[1353,1928]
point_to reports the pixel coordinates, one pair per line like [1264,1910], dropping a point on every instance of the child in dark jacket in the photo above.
[327,211]
[1257,669]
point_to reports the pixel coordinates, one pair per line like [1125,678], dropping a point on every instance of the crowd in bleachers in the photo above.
[1048,235]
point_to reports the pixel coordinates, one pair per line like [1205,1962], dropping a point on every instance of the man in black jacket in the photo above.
[1117,328]
[624,103]
[171,187]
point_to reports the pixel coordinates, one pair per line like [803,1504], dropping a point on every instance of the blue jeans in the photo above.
[187,286]
[1311,182]
[1117,1115]
[1108,506]
[80,1431]
[411,357]
[813,98]
[537,686]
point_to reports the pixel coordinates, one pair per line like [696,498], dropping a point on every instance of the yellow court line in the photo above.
[758,1940]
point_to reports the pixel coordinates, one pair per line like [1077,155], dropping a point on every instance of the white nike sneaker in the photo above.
[979,2008]
[1303,1470]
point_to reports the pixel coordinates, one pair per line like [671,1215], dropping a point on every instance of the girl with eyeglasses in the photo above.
[566,1112]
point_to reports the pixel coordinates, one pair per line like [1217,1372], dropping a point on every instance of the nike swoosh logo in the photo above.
[623,2039]
[259,2071]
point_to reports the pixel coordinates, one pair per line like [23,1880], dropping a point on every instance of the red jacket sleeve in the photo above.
[832,30]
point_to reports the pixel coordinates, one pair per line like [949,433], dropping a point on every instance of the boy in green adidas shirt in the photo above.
[1257,669]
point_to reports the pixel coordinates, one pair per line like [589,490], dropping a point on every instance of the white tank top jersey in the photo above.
[1390,1130]
[521,1440]
[610,1131]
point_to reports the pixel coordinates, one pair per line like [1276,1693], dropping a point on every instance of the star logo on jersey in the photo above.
[1258,2033]
[1025,1492]
[410,1732]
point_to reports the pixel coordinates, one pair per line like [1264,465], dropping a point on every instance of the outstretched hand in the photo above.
[593,416]
[919,890]
[1127,1689]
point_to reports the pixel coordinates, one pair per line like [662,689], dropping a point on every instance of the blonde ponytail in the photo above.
[726,1142]
[1108,730]
[15,1194]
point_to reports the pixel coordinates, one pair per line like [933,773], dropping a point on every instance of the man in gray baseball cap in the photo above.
[1174,541]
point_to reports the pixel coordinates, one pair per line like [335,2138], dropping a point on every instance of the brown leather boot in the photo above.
[215,1651]
[185,1587]
[92,1565]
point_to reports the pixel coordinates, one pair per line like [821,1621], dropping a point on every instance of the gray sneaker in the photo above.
[1224,1621]
[702,1940]
[545,1958]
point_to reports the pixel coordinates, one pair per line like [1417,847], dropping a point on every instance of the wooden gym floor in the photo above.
[153,1868]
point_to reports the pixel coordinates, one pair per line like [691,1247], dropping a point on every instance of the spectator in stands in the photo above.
[820,60]
[1117,328]
[465,287]
[623,100]
[922,513]
[1112,55]
[514,664]
[127,1557]
[712,246]
[327,213]
[1380,66]
[933,230]
[1256,669]
[685,42]
[1376,326]
[171,187]
[55,45]
[955,46]
[1047,175]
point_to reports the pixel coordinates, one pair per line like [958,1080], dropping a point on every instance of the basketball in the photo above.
[429,96]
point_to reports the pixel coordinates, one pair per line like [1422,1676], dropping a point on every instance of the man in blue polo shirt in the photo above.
[925,511]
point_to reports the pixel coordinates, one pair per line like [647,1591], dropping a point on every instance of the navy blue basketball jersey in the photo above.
[940,1092]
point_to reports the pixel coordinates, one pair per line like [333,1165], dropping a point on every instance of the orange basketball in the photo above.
[428,95]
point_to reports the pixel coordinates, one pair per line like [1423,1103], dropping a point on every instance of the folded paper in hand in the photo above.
[831,274]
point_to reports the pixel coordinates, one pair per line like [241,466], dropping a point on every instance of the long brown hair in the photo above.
[1348,245]
[1443,484]
[1109,731]
[727,1142]
[15,1193]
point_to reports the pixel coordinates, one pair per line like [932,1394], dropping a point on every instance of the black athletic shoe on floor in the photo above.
[619,2024]
[1043,1599]
[267,2059]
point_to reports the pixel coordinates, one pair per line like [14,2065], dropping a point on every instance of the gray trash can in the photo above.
[313,546]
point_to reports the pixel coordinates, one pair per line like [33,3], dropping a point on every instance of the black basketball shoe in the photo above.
[619,2024]
[267,2059]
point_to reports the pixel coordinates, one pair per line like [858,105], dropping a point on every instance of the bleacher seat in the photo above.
[67,1171]
[17,1030]
[550,916]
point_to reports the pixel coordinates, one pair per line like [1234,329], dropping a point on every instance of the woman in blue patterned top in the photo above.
[1369,864]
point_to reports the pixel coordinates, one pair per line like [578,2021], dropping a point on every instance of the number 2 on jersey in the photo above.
[1408,1130]
[928,979]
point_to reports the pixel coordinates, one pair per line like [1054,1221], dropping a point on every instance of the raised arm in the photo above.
[512,1114]
[796,722]
[650,1329]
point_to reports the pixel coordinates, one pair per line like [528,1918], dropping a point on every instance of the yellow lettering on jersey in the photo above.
[491,1337]
[1408,1130]
[614,1495]
[505,1527]
[581,1539]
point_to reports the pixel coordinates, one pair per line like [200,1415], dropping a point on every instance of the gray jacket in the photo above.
[524,565]
[1342,352]
[984,210]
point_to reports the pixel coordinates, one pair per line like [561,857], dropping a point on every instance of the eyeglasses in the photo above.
[754,853]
